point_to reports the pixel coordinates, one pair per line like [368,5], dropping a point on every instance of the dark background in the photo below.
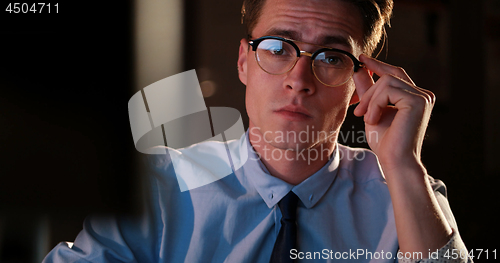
[66,148]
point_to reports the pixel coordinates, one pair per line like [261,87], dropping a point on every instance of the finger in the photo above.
[380,102]
[385,80]
[429,94]
[395,81]
[380,68]
[403,98]
[363,81]
[389,80]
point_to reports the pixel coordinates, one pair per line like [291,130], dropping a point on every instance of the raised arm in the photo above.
[398,111]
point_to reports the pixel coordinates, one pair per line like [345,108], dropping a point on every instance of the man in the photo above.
[304,63]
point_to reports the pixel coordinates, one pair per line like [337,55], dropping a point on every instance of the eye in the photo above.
[275,48]
[332,59]
[277,52]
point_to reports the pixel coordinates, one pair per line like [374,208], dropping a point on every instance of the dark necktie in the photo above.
[288,233]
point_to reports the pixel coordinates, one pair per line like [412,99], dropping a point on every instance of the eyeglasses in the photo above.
[332,67]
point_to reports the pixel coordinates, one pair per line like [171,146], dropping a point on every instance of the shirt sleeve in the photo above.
[121,238]
[454,251]
[103,240]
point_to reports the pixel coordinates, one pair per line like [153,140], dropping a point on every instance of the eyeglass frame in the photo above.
[254,43]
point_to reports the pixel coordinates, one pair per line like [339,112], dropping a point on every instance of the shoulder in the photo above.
[360,164]
[198,164]
[161,157]
[363,166]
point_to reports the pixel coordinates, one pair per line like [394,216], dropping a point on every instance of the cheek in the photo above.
[255,97]
[261,87]
[347,93]
[257,77]
[341,96]
[350,88]
[339,102]
[251,87]
[250,101]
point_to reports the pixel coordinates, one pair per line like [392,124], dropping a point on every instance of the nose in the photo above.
[300,78]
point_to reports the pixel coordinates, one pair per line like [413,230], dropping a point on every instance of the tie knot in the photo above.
[288,206]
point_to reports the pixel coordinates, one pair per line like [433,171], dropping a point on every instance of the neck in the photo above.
[291,165]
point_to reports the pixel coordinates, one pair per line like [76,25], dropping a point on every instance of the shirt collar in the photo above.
[273,189]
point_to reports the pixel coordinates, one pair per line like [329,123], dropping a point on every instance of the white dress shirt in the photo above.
[345,213]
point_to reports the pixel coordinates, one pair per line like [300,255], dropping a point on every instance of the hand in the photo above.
[395,133]
[396,113]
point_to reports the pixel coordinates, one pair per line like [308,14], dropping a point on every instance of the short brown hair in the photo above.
[375,13]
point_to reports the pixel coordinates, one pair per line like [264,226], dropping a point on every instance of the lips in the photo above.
[294,113]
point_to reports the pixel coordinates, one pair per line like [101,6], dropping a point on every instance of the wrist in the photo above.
[398,165]
[405,174]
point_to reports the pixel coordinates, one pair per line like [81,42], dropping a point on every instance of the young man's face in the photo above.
[281,106]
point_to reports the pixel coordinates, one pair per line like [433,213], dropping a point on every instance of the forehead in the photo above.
[333,23]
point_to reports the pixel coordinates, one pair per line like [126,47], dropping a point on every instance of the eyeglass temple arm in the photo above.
[359,65]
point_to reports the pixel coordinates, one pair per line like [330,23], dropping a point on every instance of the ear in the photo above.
[242,61]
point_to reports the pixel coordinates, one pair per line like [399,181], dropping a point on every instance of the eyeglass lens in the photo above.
[330,67]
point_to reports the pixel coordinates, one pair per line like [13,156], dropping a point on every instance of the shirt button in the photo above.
[311,198]
[271,196]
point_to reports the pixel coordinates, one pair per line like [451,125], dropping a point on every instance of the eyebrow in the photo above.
[326,40]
